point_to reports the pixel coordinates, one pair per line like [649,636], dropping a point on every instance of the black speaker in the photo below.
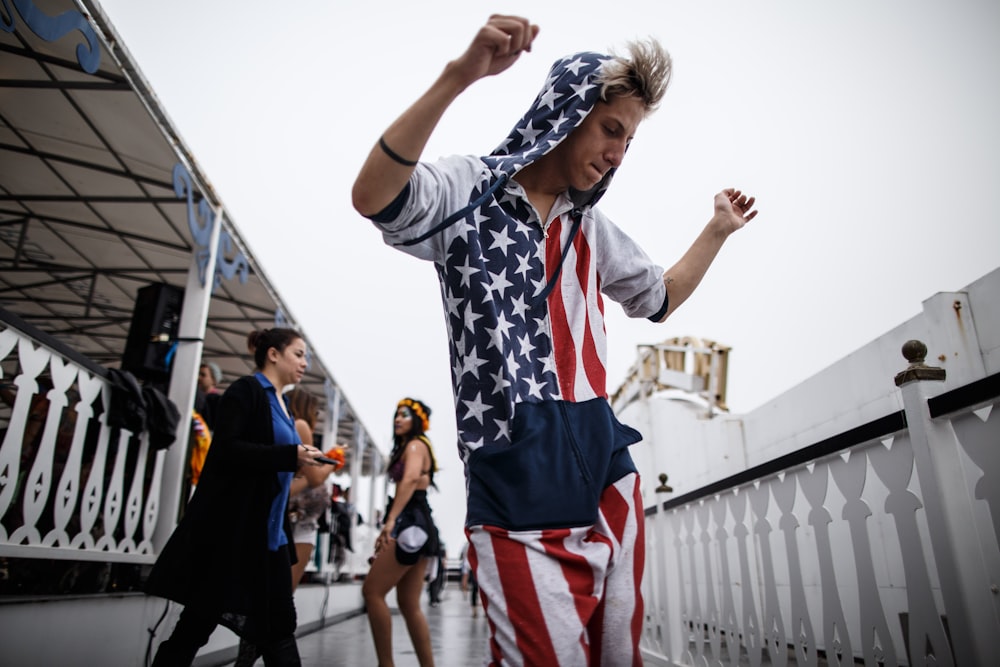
[152,336]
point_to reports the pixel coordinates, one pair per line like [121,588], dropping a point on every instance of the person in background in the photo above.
[340,530]
[436,576]
[308,499]
[468,581]
[409,538]
[525,258]
[207,403]
[201,440]
[229,559]
[309,496]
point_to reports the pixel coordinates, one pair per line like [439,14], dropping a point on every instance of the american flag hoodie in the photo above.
[524,304]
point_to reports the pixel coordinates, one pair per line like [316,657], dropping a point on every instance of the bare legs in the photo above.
[408,592]
[386,573]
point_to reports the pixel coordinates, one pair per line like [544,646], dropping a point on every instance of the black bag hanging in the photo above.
[127,407]
[162,417]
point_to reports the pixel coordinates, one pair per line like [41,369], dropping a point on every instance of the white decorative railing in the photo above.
[71,487]
[878,545]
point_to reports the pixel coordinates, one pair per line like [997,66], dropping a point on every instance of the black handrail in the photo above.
[974,393]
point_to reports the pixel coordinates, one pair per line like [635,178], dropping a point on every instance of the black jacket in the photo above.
[216,558]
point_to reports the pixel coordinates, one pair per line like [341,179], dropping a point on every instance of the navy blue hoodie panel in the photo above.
[561,458]
[658,315]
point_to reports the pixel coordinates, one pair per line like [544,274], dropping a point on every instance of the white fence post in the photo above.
[170,463]
[973,608]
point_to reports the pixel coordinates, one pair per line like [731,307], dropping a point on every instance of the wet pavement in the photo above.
[458,639]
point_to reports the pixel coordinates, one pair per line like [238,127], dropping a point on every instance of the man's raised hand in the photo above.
[496,46]
[733,209]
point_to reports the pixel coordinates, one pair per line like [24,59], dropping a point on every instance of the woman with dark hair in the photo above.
[409,538]
[309,497]
[228,561]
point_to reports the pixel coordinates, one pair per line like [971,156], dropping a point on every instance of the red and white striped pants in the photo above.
[567,597]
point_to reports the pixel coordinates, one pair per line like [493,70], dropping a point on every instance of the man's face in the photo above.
[599,143]
[205,379]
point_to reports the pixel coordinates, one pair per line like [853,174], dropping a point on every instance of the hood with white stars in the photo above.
[568,95]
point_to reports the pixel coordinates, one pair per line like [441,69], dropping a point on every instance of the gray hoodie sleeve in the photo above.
[627,274]
[436,190]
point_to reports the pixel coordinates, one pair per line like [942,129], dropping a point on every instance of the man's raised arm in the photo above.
[733,209]
[496,46]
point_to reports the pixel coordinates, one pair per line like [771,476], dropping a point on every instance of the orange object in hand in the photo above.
[337,454]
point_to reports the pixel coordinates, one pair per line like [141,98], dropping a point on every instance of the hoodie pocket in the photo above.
[561,457]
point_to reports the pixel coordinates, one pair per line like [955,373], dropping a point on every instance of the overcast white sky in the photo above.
[867,130]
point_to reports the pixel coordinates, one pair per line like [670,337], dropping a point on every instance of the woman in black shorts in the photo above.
[409,538]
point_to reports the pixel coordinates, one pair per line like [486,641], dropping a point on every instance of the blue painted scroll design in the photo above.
[54,28]
[201,222]
[227,268]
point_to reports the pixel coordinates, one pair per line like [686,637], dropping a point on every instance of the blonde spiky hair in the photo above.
[645,73]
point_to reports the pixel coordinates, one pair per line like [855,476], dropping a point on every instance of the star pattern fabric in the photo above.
[522,296]
[500,338]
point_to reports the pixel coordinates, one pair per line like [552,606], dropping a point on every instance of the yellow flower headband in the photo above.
[418,409]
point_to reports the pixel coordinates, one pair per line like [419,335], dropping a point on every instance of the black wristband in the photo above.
[393,155]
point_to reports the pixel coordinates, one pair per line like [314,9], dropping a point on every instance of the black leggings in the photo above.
[196,624]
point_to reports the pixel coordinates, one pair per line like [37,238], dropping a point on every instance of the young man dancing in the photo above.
[524,258]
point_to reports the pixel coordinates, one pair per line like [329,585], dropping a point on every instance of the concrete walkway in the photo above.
[458,639]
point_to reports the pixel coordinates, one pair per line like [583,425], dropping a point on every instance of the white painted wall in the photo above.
[113,630]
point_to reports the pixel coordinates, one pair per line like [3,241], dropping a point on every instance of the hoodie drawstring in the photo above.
[577,216]
[458,215]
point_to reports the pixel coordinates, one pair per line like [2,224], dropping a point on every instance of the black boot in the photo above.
[282,653]
[192,631]
[171,654]
[247,654]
